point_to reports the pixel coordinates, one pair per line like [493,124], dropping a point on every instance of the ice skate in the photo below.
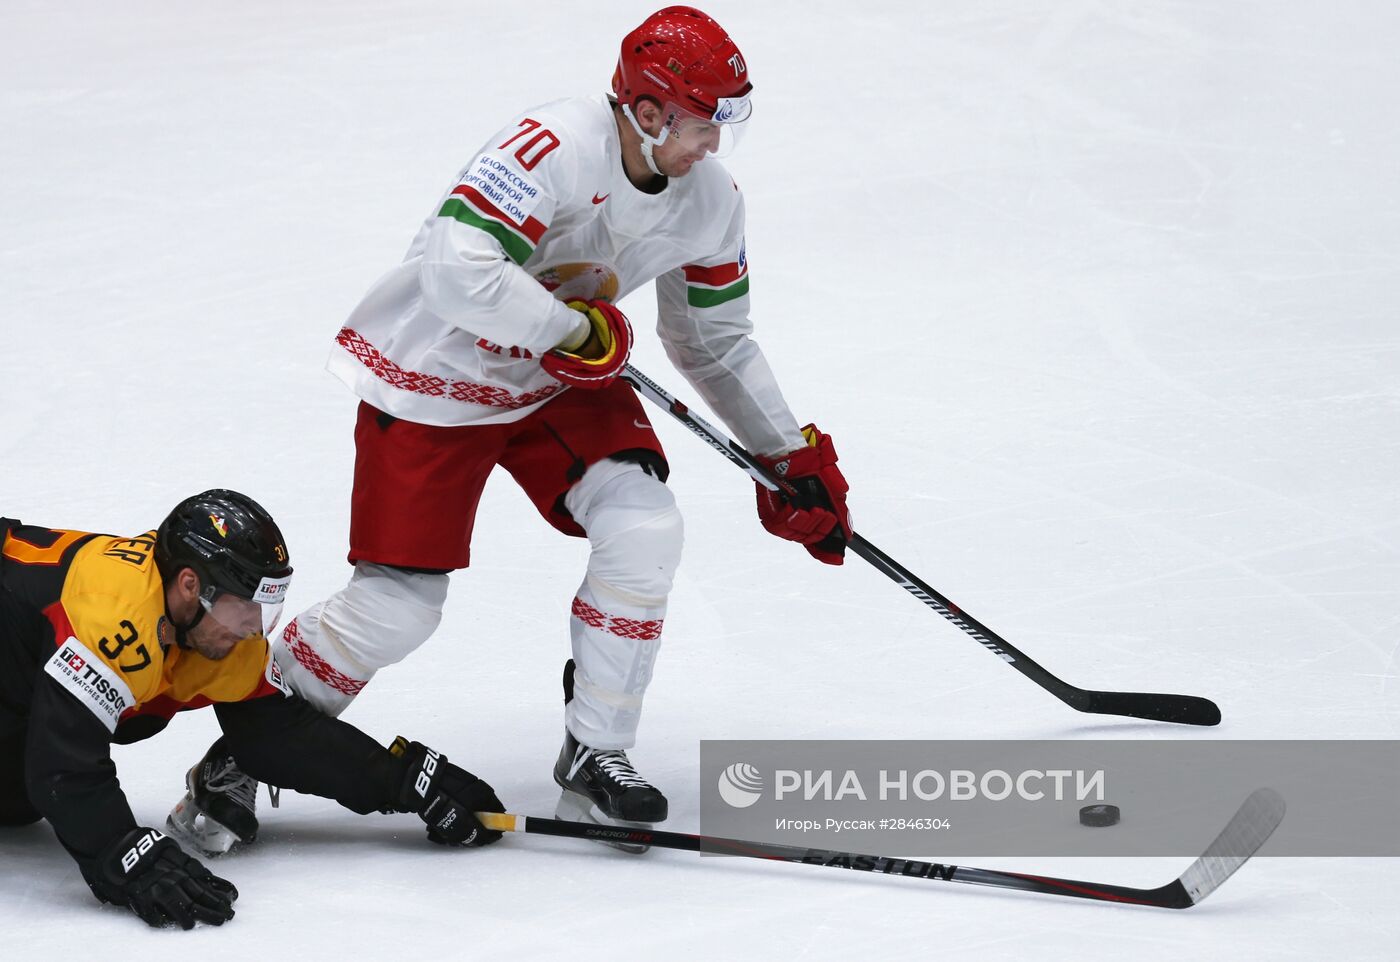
[219,809]
[602,787]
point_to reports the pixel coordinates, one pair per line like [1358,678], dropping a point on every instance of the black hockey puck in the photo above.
[1099,816]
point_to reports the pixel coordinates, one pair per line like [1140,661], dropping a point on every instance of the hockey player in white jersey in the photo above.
[496,342]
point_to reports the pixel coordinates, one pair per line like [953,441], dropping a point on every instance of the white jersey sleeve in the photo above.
[703,321]
[487,226]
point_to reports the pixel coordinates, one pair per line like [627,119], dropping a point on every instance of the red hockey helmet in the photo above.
[687,63]
[679,54]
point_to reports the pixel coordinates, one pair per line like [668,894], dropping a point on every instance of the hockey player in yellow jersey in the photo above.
[104,639]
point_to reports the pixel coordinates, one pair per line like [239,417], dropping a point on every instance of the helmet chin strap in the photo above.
[649,142]
[182,631]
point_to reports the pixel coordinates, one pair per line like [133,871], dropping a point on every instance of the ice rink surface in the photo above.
[1098,300]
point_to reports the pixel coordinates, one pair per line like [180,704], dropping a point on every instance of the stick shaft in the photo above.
[1182,709]
[1246,832]
[1171,895]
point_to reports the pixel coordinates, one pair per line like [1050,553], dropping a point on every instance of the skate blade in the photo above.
[573,808]
[187,823]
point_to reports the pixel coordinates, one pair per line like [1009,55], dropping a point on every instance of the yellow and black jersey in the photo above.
[112,644]
[88,656]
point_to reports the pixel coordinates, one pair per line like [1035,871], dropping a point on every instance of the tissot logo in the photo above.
[271,590]
[274,677]
[97,685]
[93,682]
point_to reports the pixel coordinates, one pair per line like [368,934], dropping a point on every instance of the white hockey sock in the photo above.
[614,649]
[616,618]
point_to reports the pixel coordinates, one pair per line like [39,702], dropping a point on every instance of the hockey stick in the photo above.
[1182,709]
[1247,830]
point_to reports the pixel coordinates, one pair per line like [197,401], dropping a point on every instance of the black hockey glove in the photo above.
[444,796]
[148,873]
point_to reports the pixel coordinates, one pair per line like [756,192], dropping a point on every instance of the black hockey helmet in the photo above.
[232,543]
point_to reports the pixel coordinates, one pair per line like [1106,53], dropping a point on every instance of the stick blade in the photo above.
[1181,709]
[1251,827]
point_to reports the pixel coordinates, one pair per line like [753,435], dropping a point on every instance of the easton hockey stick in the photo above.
[1182,709]
[1250,827]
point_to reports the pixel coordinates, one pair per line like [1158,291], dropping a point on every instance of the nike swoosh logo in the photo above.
[599,200]
[641,424]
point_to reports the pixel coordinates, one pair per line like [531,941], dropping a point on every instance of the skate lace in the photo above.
[225,779]
[617,766]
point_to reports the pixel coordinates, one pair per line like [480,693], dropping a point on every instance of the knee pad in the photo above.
[384,613]
[635,530]
[330,651]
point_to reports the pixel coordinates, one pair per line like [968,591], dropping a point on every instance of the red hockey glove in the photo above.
[598,361]
[816,515]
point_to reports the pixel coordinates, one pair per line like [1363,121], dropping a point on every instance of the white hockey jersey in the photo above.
[452,335]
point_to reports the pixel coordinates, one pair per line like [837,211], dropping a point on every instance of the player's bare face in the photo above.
[213,640]
[691,142]
[681,140]
[227,621]
[674,160]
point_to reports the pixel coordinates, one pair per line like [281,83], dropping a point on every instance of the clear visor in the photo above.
[717,134]
[243,617]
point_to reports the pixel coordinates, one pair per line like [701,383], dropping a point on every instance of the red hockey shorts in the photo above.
[417,486]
